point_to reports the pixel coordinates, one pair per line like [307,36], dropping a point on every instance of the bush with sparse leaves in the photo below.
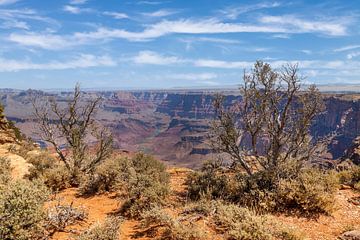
[171,228]
[109,230]
[21,210]
[62,215]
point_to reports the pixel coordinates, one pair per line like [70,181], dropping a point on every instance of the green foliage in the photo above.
[311,193]
[145,183]
[109,230]
[40,163]
[19,136]
[350,177]
[21,210]
[308,191]
[57,178]
[231,220]
[105,178]
[5,171]
[172,228]
[48,169]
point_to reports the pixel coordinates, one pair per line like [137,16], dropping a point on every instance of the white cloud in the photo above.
[161,13]
[222,64]
[209,39]
[17,18]
[270,24]
[76,10]
[45,41]
[346,48]
[193,76]
[6,2]
[116,15]
[82,61]
[234,12]
[149,57]
[353,54]
[296,25]
[78,2]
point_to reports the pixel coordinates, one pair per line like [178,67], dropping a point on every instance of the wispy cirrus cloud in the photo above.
[149,57]
[7,2]
[234,12]
[18,18]
[116,15]
[78,2]
[77,10]
[82,61]
[45,41]
[267,24]
[331,27]
[161,13]
[346,48]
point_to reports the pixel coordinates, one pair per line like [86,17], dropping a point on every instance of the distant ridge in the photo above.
[327,88]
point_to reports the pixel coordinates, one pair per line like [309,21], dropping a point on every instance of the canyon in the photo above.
[174,125]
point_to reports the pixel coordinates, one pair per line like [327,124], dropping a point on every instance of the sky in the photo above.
[151,44]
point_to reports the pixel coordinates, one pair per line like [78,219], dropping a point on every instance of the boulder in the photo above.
[350,235]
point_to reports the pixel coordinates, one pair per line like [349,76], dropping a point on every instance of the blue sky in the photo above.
[117,44]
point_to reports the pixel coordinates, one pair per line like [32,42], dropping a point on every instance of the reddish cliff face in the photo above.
[174,125]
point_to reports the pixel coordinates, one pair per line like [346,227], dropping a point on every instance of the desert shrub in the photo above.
[48,169]
[62,215]
[21,210]
[109,230]
[40,163]
[308,191]
[231,220]
[350,177]
[57,178]
[145,183]
[5,171]
[207,184]
[311,193]
[105,178]
[171,227]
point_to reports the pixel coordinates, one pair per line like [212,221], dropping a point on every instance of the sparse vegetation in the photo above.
[21,210]
[74,124]
[171,228]
[145,184]
[5,171]
[109,230]
[350,177]
[62,215]
[105,178]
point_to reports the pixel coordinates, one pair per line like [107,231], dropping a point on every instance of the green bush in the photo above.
[145,183]
[106,178]
[170,227]
[21,210]
[40,163]
[308,191]
[48,169]
[311,193]
[350,177]
[5,171]
[57,178]
[231,220]
[109,230]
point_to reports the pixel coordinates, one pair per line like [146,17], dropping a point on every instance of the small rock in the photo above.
[344,187]
[350,235]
